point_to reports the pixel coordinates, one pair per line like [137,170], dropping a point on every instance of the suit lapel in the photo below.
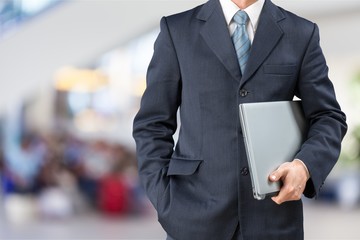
[216,35]
[266,38]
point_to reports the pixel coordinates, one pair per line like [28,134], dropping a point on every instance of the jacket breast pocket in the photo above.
[183,166]
[280,70]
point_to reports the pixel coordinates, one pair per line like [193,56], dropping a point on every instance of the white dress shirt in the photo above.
[253,11]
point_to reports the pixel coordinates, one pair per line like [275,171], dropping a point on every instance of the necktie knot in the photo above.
[241,17]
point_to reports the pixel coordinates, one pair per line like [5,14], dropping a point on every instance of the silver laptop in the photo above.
[273,133]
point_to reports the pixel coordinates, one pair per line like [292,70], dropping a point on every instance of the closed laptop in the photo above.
[273,133]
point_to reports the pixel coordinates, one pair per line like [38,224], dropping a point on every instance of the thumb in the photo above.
[279,173]
[276,175]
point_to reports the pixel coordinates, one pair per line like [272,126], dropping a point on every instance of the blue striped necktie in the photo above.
[241,39]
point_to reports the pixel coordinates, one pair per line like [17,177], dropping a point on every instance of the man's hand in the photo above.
[294,176]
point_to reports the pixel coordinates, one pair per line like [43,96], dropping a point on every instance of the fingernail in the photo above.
[273,177]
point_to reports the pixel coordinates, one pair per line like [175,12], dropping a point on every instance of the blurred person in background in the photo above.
[63,175]
[201,188]
[23,163]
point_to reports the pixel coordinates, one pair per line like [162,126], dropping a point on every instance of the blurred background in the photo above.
[72,74]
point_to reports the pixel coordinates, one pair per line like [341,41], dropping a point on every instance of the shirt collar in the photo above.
[253,11]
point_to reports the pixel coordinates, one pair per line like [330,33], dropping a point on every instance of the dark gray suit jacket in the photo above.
[201,188]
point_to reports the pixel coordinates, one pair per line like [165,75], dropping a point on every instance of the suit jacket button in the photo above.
[243,92]
[244,171]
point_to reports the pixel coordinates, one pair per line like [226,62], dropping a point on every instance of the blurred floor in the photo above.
[321,222]
[90,226]
[325,222]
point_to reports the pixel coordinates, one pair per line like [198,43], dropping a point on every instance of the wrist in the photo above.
[304,166]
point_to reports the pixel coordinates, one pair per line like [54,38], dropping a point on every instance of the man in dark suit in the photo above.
[201,188]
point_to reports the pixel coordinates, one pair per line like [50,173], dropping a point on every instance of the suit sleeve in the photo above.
[155,123]
[327,123]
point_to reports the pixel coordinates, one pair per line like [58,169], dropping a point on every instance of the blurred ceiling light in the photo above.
[34,6]
[80,80]
[90,121]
